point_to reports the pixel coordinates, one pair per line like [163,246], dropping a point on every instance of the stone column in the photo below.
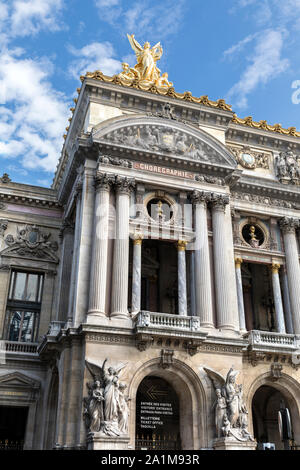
[288,227]
[287,303]
[182,291]
[221,264]
[136,273]
[192,284]
[100,245]
[279,315]
[203,289]
[119,299]
[240,295]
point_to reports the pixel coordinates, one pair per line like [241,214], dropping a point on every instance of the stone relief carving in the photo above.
[5,178]
[250,159]
[3,226]
[248,197]
[108,160]
[106,408]
[287,166]
[164,139]
[31,242]
[231,414]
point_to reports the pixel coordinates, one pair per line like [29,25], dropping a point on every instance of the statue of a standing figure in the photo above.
[102,406]
[123,409]
[230,412]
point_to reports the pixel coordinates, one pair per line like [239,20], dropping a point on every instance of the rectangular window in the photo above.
[23,307]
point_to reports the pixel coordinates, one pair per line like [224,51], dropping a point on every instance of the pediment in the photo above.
[165,137]
[18,380]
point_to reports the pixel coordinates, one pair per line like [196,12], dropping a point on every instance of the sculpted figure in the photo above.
[221,407]
[230,412]
[128,73]
[146,59]
[102,406]
[163,81]
[281,166]
[123,409]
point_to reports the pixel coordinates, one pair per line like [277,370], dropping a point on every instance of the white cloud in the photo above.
[237,48]
[266,63]
[30,16]
[144,17]
[33,114]
[94,56]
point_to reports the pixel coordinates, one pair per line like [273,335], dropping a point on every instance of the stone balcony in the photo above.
[265,346]
[172,329]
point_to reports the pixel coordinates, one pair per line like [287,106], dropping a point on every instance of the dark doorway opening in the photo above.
[271,418]
[13,420]
[157,416]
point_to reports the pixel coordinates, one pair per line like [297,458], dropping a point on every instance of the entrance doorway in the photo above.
[271,418]
[157,416]
[13,421]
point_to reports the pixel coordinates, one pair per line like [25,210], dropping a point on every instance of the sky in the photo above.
[245,51]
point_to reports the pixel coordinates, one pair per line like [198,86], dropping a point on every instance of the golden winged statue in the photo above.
[145,69]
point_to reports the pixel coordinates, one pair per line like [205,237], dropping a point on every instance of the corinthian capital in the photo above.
[219,201]
[124,184]
[199,197]
[288,225]
[103,181]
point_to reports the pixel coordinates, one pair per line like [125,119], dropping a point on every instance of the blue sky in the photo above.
[246,51]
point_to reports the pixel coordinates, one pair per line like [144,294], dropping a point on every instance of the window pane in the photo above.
[14,326]
[32,287]
[27,327]
[20,287]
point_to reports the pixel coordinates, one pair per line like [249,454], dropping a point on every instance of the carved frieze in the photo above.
[250,159]
[164,139]
[30,242]
[108,160]
[266,200]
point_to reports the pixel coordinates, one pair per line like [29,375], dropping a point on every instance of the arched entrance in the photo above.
[157,415]
[272,422]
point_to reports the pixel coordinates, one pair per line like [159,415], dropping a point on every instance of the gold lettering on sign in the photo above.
[6,392]
[163,170]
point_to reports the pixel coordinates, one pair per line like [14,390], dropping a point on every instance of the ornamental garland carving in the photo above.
[248,197]
[164,139]
[250,159]
[287,167]
[231,414]
[106,408]
[31,242]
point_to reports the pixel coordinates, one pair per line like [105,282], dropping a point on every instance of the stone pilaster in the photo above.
[182,291]
[100,244]
[279,315]
[288,227]
[81,294]
[240,296]
[222,264]
[119,299]
[75,253]
[203,289]
[136,273]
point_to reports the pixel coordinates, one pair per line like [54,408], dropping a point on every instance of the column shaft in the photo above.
[99,250]
[221,264]
[287,303]
[279,315]
[240,296]
[203,291]
[119,301]
[182,291]
[293,269]
[136,275]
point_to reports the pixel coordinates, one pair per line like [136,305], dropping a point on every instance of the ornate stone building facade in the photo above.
[159,276]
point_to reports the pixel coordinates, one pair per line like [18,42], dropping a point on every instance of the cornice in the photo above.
[153,89]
